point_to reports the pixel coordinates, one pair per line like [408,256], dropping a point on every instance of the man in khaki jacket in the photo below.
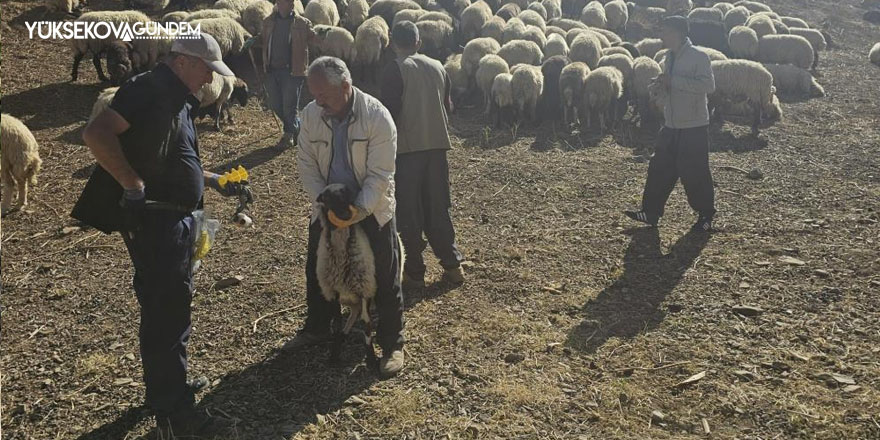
[682,150]
[415,90]
[349,138]
[285,38]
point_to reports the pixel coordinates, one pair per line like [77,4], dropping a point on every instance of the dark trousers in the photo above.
[389,296]
[283,90]
[423,204]
[684,154]
[161,254]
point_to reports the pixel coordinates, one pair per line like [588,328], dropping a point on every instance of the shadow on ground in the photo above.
[631,305]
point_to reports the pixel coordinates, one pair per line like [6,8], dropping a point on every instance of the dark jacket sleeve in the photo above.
[392,90]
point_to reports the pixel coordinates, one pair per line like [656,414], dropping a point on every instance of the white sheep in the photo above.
[623,64]
[754,6]
[710,14]
[20,162]
[214,97]
[64,6]
[436,38]
[616,15]
[593,15]
[679,7]
[555,45]
[646,18]
[567,24]
[586,49]
[794,80]
[502,99]
[252,17]
[460,83]
[743,42]
[539,9]
[535,35]
[387,9]
[515,29]
[874,54]
[723,7]
[473,18]
[606,37]
[407,15]
[532,18]
[527,85]
[333,41]
[490,66]
[603,89]
[437,16]
[786,49]
[150,5]
[645,71]
[521,52]
[230,35]
[102,102]
[738,16]
[494,29]
[174,17]
[555,30]
[322,12]
[816,39]
[96,47]
[234,5]
[745,81]
[213,13]
[794,22]
[356,13]
[616,50]
[370,41]
[762,24]
[553,8]
[649,46]
[571,90]
[474,51]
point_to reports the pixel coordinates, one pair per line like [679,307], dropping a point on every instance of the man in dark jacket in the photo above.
[682,150]
[148,182]
[416,91]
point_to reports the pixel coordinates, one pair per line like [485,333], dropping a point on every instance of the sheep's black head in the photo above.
[240,93]
[119,65]
[336,197]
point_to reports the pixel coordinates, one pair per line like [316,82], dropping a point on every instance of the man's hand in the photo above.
[665,80]
[356,216]
[133,203]
[229,190]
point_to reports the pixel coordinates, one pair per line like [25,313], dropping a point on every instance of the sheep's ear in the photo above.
[320,198]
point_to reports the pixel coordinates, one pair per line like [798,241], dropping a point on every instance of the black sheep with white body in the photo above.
[346,267]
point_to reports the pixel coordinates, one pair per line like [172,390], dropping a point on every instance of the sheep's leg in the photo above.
[77,58]
[815,60]
[217,112]
[756,122]
[8,194]
[22,194]
[96,60]
[338,337]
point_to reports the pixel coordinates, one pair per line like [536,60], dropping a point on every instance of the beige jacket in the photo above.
[301,33]
[372,148]
[692,80]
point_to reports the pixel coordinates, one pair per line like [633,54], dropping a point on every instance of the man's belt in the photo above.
[165,206]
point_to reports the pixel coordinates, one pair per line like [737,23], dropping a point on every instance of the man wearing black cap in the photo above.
[682,149]
[416,91]
[148,181]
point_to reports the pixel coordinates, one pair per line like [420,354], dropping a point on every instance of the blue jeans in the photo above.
[283,90]
[161,253]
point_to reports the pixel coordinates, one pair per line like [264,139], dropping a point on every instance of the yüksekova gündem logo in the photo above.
[103,30]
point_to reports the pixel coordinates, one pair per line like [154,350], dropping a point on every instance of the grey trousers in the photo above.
[680,154]
[283,92]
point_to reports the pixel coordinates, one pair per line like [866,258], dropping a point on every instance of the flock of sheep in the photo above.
[528,60]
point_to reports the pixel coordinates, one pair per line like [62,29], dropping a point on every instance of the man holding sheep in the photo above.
[348,137]
[148,183]
[682,149]
[416,91]
[285,57]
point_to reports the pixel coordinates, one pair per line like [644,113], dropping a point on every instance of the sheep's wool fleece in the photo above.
[346,266]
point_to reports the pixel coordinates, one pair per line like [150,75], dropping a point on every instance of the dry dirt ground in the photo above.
[573,323]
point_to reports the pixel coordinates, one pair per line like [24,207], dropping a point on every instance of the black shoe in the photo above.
[703,224]
[193,423]
[197,384]
[643,217]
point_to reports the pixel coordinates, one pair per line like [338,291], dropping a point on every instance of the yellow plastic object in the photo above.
[234,175]
[203,245]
